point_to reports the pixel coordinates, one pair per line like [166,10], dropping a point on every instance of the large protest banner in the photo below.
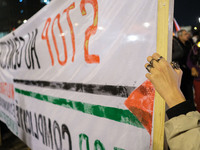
[73,76]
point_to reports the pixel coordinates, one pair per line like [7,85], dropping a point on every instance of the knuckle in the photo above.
[146,65]
[160,67]
[149,58]
[155,75]
[155,54]
[164,65]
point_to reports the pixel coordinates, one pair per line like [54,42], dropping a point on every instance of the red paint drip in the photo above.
[140,103]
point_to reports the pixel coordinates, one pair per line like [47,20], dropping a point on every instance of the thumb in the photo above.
[179,73]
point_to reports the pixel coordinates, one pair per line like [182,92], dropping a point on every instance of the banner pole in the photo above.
[162,49]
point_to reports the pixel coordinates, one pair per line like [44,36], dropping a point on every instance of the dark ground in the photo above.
[10,141]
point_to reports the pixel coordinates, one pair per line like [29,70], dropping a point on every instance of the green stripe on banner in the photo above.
[119,115]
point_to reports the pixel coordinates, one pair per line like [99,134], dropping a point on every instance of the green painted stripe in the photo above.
[119,115]
[116,148]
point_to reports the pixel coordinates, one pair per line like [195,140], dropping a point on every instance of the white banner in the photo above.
[67,72]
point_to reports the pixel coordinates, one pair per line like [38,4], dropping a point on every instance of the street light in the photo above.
[25,21]
[199,19]
[45,1]
[198,44]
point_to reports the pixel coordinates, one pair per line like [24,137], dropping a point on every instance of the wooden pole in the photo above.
[162,48]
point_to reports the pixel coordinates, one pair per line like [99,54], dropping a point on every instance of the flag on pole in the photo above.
[177,27]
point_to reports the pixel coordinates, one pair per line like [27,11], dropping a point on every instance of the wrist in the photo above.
[174,98]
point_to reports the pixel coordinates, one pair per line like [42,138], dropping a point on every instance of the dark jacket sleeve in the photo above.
[177,50]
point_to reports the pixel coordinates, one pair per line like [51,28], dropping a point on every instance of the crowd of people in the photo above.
[186,53]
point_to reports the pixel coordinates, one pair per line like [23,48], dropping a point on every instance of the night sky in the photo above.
[186,12]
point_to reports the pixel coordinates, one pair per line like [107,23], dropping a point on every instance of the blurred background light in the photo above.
[146,24]
[132,38]
[25,21]
[45,1]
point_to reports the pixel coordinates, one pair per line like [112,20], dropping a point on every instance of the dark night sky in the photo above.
[186,12]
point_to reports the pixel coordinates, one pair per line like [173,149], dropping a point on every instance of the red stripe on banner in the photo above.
[140,103]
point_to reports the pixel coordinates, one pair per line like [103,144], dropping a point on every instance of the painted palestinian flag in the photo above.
[140,103]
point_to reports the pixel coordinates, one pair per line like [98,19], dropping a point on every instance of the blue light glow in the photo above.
[45,1]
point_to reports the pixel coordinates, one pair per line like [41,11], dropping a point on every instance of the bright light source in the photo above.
[198,44]
[199,19]
[195,28]
[62,34]
[25,21]
[76,24]
[146,24]
[101,28]
[20,1]
[132,38]
[45,1]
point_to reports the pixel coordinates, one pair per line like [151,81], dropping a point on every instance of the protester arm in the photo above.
[183,128]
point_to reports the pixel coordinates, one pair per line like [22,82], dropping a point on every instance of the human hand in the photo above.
[165,79]
[194,72]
